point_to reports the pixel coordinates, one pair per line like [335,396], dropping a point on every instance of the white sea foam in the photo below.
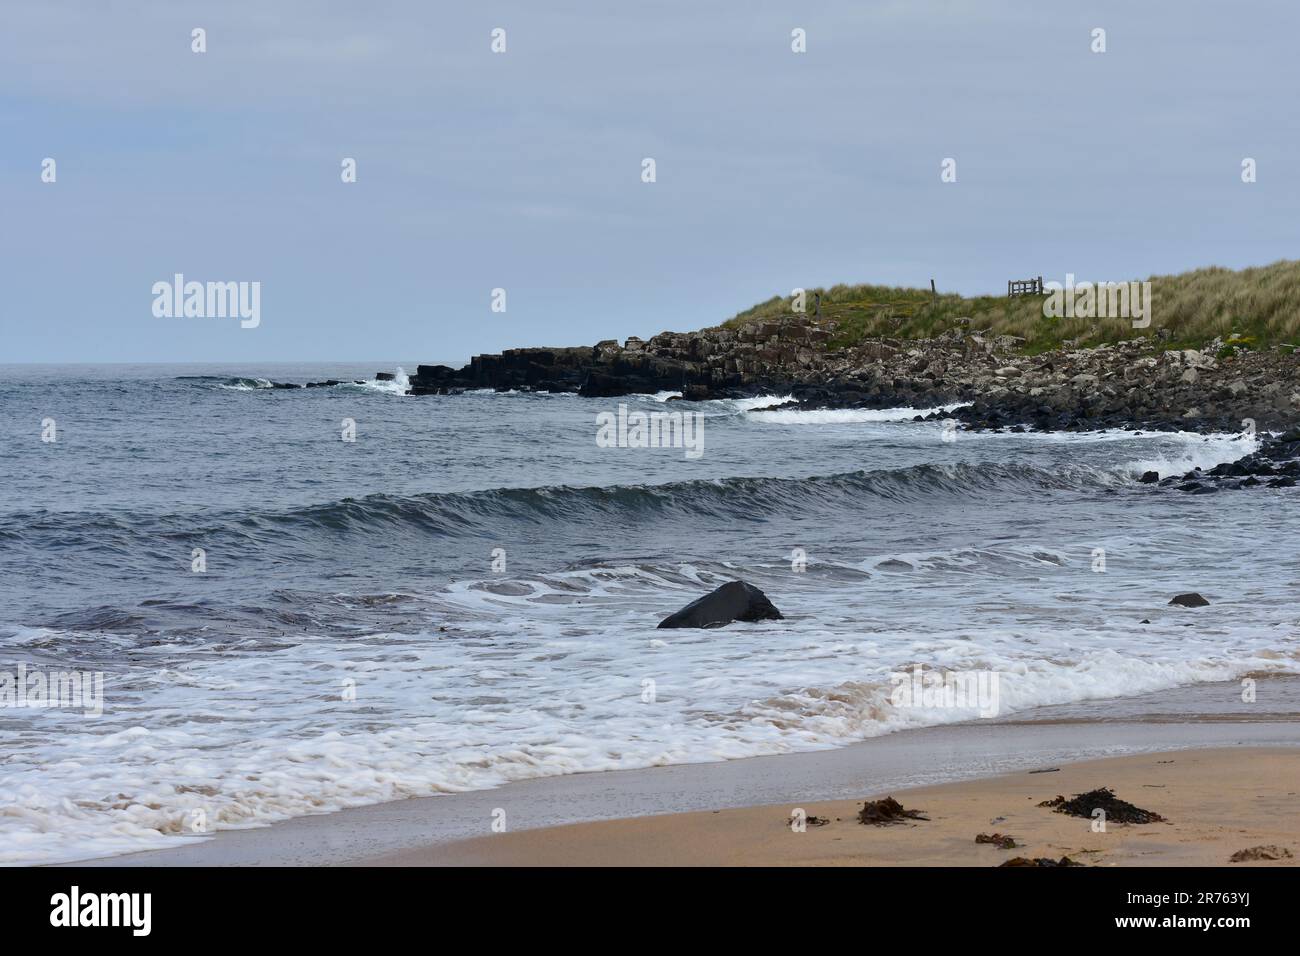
[397,385]
[761,401]
[523,687]
[845,416]
[246,385]
[1199,451]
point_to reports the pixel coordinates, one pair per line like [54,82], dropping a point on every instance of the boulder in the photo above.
[1191,599]
[734,601]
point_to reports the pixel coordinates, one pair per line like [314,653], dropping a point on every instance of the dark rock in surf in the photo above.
[1149,477]
[734,601]
[1191,599]
[695,393]
[893,564]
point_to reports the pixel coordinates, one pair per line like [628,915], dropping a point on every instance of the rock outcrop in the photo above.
[1139,383]
[1276,464]
[1142,383]
[734,601]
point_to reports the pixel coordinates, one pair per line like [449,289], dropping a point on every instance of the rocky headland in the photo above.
[1221,357]
[1139,383]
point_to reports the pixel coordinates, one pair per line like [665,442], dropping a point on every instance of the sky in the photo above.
[523,170]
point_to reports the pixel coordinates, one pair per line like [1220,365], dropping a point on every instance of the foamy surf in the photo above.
[1199,451]
[245,384]
[397,385]
[430,716]
[468,594]
[846,416]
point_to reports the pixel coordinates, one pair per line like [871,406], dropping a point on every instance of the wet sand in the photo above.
[1215,803]
[430,829]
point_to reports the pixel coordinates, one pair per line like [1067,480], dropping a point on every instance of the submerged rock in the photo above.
[734,601]
[893,564]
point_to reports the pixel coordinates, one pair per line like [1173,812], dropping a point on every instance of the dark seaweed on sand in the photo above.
[999,840]
[1117,810]
[1039,861]
[884,812]
[811,821]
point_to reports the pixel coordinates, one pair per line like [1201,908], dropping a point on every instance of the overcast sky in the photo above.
[522,170]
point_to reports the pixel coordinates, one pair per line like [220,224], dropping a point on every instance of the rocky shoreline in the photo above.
[1139,384]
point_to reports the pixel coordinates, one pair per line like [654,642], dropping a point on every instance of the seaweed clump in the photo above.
[1117,810]
[1039,861]
[884,812]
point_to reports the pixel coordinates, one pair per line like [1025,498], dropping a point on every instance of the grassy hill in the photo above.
[1252,308]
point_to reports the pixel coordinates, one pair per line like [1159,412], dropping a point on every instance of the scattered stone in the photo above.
[884,812]
[1117,810]
[1190,599]
[997,839]
[810,820]
[734,601]
[1267,852]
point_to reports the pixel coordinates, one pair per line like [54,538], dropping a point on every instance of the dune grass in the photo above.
[1253,308]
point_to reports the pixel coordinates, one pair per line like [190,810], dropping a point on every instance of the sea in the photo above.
[298,601]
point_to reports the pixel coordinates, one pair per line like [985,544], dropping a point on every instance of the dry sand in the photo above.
[1215,802]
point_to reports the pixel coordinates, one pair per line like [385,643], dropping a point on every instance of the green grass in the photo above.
[1252,308]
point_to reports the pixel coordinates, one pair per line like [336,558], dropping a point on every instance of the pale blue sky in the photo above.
[522,170]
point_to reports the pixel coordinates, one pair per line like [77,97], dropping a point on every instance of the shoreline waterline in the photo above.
[1202,716]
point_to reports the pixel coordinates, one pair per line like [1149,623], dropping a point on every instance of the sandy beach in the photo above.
[1222,771]
[1215,803]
